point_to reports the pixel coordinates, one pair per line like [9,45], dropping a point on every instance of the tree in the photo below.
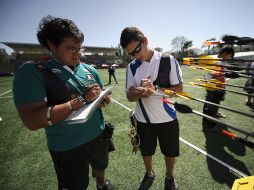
[186,46]
[123,56]
[178,43]
[181,44]
[4,59]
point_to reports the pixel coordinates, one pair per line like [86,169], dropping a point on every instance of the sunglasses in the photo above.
[136,50]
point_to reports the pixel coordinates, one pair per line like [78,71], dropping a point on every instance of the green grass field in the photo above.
[26,163]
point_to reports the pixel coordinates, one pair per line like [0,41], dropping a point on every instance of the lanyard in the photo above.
[66,75]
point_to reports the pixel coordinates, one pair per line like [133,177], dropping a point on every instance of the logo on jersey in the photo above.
[89,76]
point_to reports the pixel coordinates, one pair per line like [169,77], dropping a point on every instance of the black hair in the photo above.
[56,29]
[228,50]
[130,34]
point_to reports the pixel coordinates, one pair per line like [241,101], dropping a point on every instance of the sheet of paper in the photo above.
[86,111]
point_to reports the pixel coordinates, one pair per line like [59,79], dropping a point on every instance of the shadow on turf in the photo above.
[224,148]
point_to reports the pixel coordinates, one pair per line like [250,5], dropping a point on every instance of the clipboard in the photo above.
[83,114]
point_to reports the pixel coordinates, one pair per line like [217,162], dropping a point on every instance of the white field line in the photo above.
[6,97]
[5,92]
[121,104]
[214,158]
[199,150]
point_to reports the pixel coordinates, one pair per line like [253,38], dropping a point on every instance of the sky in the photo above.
[102,21]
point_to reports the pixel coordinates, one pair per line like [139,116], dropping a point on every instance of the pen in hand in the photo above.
[145,82]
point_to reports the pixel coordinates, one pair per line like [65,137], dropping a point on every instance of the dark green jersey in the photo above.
[30,86]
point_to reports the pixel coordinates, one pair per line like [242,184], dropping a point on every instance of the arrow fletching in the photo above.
[167,101]
[182,108]
[229,134]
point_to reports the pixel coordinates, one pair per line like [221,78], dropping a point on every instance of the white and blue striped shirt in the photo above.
[152,109]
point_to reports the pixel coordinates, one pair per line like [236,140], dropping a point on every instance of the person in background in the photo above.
[216,96]
[155,120]
[111,72]
[249,85]
[48,90]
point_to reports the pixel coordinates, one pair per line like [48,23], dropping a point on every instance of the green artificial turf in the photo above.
[25,162]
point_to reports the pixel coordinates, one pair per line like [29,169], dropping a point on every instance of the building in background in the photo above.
[23,52]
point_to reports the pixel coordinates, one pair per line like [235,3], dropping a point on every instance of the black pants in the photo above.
[216,97]
[110,75]
[72,166]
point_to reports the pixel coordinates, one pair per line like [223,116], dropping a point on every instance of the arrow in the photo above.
[227,73]
[214,81]
[182,108]
[211,59]
[189,97]
[212,87]
[235,137]
[217,66]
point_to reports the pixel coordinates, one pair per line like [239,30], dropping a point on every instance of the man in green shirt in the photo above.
[48,90]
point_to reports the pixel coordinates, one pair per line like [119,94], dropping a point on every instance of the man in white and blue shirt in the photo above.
[155,118]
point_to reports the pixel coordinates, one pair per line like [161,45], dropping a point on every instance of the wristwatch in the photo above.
[82,99]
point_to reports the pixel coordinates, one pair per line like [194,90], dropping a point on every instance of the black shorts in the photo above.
[167,134]
[72,166]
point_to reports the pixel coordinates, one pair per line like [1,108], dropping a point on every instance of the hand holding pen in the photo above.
[148,88]
[145,90]
[92,92]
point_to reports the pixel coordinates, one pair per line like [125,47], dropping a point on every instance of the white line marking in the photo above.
[121,104]
[6,96]
[214,158]
[5,92]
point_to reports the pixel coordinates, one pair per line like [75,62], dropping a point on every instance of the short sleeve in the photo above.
[28,85]
[129,78]
[175,76]
[97,76]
